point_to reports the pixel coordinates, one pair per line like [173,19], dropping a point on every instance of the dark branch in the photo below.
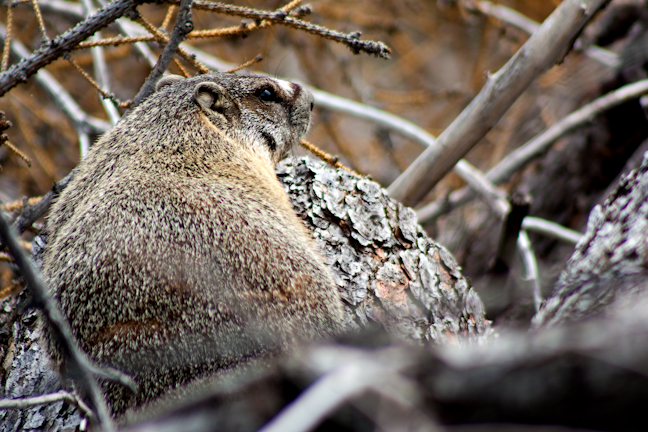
[280,16]
[31,214]
[56,48]
[78,366]
[182,27]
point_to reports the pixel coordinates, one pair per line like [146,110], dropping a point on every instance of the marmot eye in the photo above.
[267,94]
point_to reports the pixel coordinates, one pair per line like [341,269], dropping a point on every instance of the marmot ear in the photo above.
[167,81]
[210,96]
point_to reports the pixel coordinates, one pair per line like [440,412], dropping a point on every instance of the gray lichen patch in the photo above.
[386,268]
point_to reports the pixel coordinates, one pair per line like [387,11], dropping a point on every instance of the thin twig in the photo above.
[7,41]
[531,267]
[255,60]
[551,229]
[351,40]
[101,71]
[182,27]
[39,19]
[62,98]
[27,402]
[164,39]
[183,70]
[493,197]
[19,73]
[20,154]
[84,143]
[331,160]
[536,147]
[168,16]
[544,48]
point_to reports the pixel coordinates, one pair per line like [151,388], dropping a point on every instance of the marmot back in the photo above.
[175,252]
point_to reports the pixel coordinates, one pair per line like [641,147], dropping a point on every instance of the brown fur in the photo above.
[175,252]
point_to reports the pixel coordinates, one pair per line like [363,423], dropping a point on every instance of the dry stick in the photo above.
[527,25]
[536,147]
[543,49]
[101,70]
[39,19]
[182,27]
[332,160]
[47,53]
[530,265]
[20,154]
[78,365]
[28,402]
[163,40]
[255,60]
[167,18]
[183,70]
[280,16]
[551,229]
[62,98]
[125,27]
[7,42]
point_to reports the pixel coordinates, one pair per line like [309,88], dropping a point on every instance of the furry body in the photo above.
[174,252]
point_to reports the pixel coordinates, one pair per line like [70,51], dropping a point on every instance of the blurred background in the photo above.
[441,53]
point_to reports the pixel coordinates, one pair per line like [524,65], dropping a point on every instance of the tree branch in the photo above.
[545,47]
[182,27]
[56,48]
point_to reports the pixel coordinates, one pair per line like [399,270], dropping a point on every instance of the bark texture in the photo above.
[388,272]
[610,261]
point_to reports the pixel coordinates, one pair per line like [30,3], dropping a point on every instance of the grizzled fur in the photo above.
[175,252]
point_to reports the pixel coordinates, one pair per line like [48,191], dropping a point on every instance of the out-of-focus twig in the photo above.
[77,362]
[546,46]
[101,70]
[531,266]
[7,39]
[536,147]
[494,198]
[551,229]
[527,25]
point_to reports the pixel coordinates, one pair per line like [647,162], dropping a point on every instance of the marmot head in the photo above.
[267,115]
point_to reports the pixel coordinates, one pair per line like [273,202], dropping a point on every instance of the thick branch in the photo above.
[539,53]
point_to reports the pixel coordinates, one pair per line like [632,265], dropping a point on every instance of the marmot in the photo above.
[175,252]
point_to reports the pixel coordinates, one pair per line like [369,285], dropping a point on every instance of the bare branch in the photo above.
[351,40]
[182,27]
[54,49]
[42,299]
[545,47]
[23,403]
[530,265]
[551,229]
[101,69]
[527,25]
[62,98]
[536,147]
[493,197]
